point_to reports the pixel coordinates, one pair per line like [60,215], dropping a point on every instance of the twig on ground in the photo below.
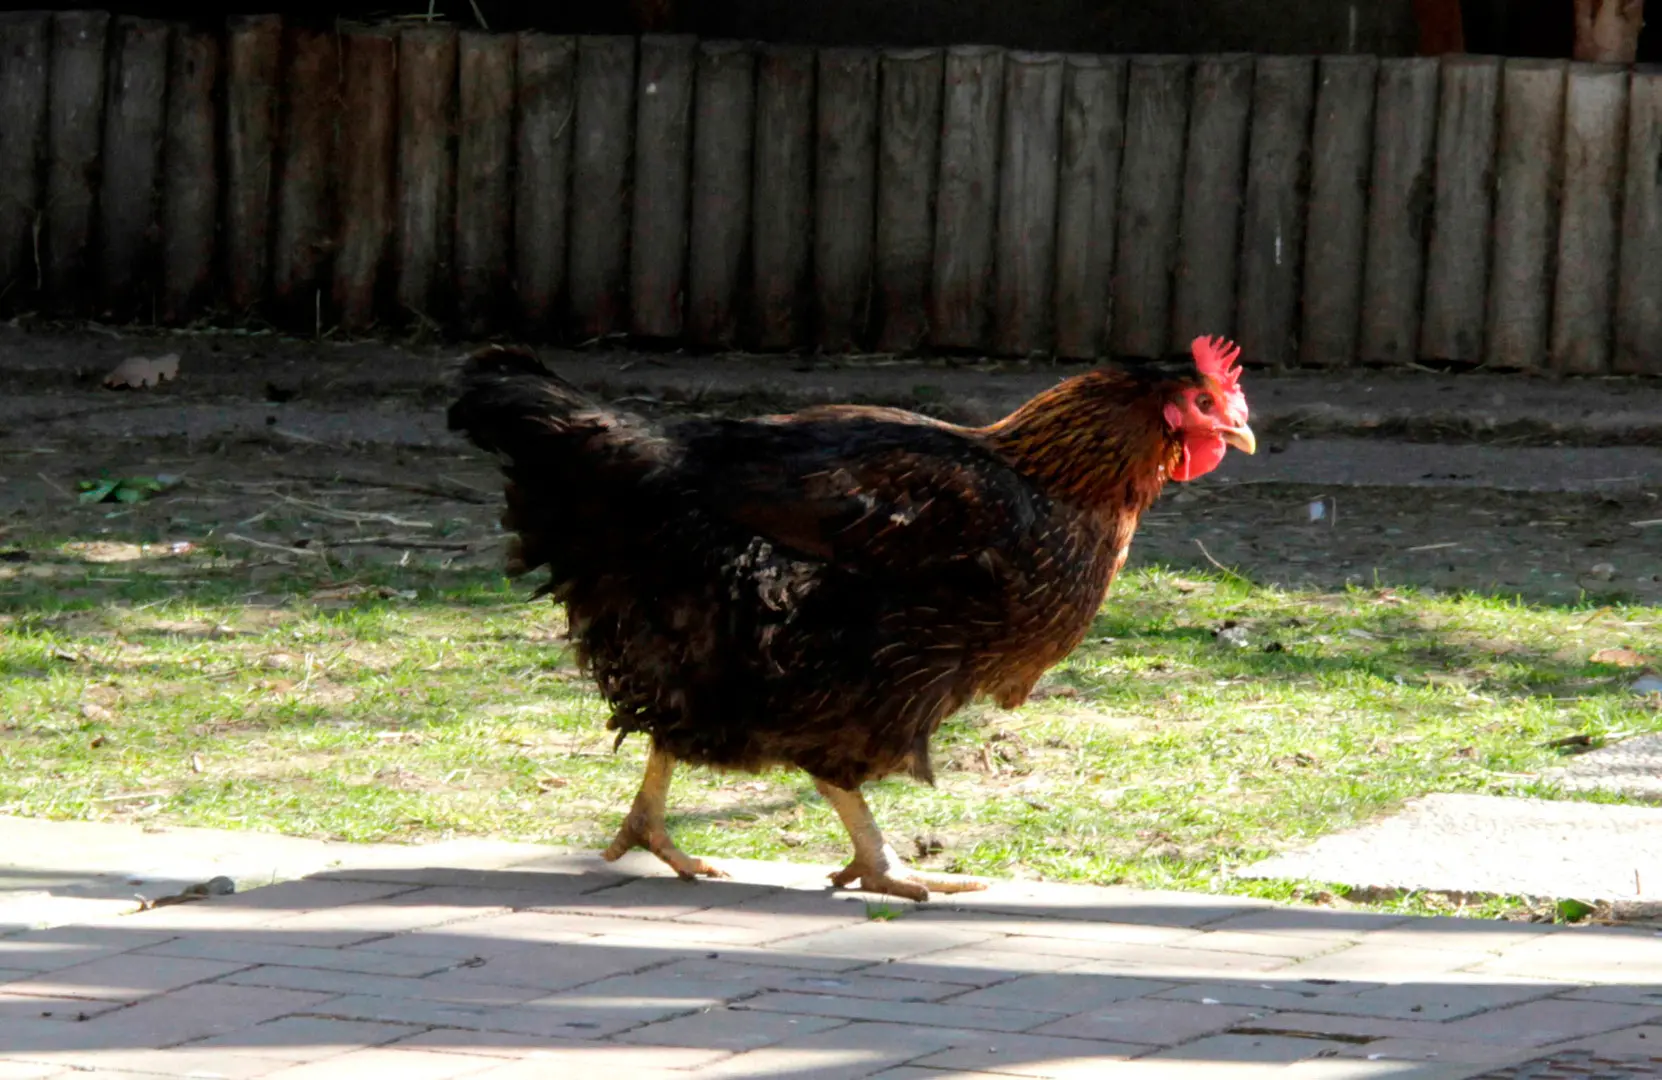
[1227,572]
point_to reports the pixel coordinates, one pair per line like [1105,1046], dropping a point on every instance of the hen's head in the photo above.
[1209,414]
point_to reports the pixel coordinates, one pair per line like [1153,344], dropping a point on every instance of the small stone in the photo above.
[1602,572]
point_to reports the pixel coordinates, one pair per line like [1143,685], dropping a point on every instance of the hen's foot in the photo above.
[888,875]
[655,838]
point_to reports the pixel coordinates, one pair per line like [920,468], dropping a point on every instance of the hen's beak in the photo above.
[1241,438]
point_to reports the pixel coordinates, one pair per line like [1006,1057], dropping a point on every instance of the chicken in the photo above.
[821,590]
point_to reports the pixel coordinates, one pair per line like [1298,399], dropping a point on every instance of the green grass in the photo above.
[423,703]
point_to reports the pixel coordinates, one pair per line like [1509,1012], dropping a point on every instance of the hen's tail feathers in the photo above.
[571,464]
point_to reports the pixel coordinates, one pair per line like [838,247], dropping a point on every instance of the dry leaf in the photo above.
[137,372]
[1620,658]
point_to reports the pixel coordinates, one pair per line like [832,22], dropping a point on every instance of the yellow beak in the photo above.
[1241,438]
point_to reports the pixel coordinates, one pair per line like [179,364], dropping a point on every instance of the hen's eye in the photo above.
[1203,402]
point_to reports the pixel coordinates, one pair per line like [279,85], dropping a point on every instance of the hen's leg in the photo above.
[644,826]
[875,865]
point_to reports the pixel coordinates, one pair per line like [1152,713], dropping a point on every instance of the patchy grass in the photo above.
[417,702]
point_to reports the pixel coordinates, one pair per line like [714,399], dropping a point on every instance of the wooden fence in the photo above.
[1324,211]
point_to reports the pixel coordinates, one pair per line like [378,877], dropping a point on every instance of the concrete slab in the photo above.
[1632,767]
[1488,845]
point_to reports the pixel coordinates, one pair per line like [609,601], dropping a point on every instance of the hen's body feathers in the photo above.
[818,590]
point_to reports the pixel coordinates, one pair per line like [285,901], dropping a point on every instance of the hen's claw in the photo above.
[892,877]
[656,840]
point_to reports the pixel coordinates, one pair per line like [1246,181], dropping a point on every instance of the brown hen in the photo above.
[822,590]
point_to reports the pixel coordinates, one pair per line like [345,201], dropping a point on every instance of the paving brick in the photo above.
[352,924]
[767,956]
[288,897]
[975,965]
[1105,904]
[1150,1023]
[844,1053]
[1577,956]
[1252,1048]
[474,936]
[994,923]
[915,1072]
[1310,922]
[1644,1041]
[1060,993]
[918,1014]
[1292,995]
[361,960]
[386,1064]
[1171,961]
[1451,932]
[658,994]
[1539,1023]
[1434,1000]
[753,978]
[1319,1025]
[1618,995]
[567,1021]
[121,978]
[661,897]
[555,967]
[1035,1055]
[1289,946]
[14,1007]
[70,946]
[618,1059]
[885,940]
[729,1029]
[1385,961]
[539,886]
[196,1012]
[390,986]
[184,1062]
[305,1038]
[27,1070]
[1440,1051]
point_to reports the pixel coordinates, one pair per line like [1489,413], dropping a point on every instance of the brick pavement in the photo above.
[506,962]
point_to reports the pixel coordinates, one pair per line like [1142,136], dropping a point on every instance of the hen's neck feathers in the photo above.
[1097,440]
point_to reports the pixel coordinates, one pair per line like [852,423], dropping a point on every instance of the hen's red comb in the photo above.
[1215,358]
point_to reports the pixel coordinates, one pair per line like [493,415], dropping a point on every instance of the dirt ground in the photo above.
[369,473]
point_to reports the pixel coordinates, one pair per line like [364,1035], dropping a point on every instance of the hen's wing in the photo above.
[868,493]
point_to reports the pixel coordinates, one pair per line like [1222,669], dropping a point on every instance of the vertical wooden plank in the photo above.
[1024,295]
[253,52]
[484,160]
[1087,198]
[720,226]
[368,163]
[663,148]
[908,146]
[966,206]
[1272,221]
[1151,196]
[781,246]
[305,205]
[1457,265]
[75,128]
[426,167]
[542,175]
[1214,180]
[25,60]
[133,124]
[1595,123]
[1405,141]
[1639,294]
[598,274]
[1526,213]
[1341,167]
[190,182]
[846,163]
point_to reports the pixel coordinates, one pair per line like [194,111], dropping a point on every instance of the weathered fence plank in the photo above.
[844,201]
[1272,225]
[305,205]
[1087,201]
[134,121]
[190,181]
[1393,278]
[1639,300]
[1595,122]
[720,226]
[426,167]
[368,162]
[484,159]
[598,271]
[663,149]
[1220,107]
[781,244]
[75,127]
[1457,265]
[1341,165]
[25,60]
[253,67]
[1151,197]
[908,148]
[1025,282]
[966,198]
[547,78]
[1527,170]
